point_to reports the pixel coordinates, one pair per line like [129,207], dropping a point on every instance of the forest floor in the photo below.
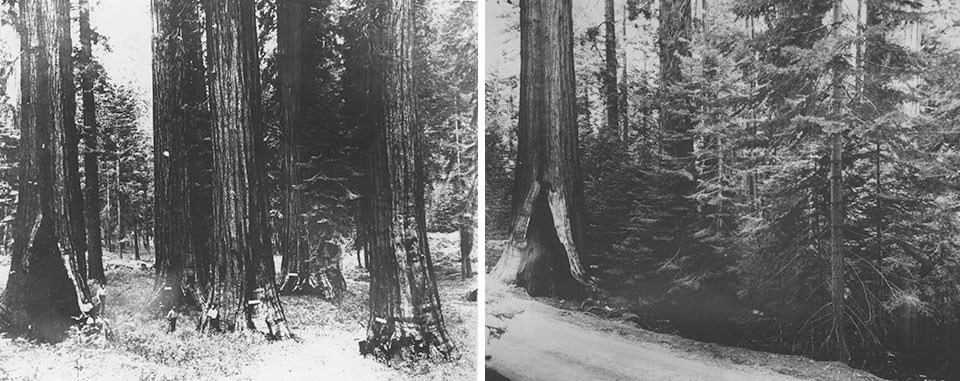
[543,339]
[325,346]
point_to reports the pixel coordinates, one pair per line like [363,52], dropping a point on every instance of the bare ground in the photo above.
[532,340]
[325,346]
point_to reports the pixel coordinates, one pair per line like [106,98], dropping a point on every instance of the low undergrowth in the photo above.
[324,345]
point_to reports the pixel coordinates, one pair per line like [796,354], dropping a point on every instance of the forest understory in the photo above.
[325,343]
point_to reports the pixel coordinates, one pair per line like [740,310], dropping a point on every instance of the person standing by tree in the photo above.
[172,317]
[102,297]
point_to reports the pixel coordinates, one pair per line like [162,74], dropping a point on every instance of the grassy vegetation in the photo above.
[325,346]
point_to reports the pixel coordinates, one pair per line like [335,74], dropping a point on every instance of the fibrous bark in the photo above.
[45,286]
[178,92]
[543,255]
[304,270]
[93,267]
[243,273]
[405,314]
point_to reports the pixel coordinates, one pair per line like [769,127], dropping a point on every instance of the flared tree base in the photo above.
[264,316]
[329,284]
[397,340]
[541,256]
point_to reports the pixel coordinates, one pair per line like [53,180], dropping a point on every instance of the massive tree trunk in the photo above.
[45,286]
[243,276]
[610,71]
[543,255]
[405,314]
[91,157]
[178,93]
[304,270]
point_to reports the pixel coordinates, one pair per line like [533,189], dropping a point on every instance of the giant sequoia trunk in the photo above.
[45,286]
[405,315]
[93,267]
[178,93]
[243,273]
[304,270]
[543,255]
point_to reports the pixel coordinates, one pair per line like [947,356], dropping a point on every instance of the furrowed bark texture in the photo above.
[45,286]
[405,315]
[243,277]
[93,267]
[178,91]
[304,270]
[542,255]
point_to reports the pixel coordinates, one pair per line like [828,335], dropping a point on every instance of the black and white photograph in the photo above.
[239,190]
[722,190]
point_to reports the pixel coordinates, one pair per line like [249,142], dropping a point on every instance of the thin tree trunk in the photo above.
[610,71]
[466,246]
[406,320]
[120,232]
[543,255]
[91,157]
[624,85]
[243,277]
[675,124]
[837,280]
[136,244]
[45,287]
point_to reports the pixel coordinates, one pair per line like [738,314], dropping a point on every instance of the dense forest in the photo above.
[777,175]
[283,152]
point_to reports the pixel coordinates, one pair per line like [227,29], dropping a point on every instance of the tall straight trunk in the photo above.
[406,320]
[843,84]
[91,157]
[243,276]
[624,85]
[302,273]
[178,91]
[543,255]
[610,70]
[291,17]
[120,232]
[466,246]
[136,244]
[45,286]
[675,123]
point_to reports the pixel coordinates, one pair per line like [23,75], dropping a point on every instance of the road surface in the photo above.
[541,342]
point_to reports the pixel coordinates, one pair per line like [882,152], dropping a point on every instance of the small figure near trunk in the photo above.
[172,317]
[102,298]
[212,319]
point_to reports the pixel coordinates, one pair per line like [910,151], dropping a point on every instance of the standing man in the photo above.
[172,319]
[102,295]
